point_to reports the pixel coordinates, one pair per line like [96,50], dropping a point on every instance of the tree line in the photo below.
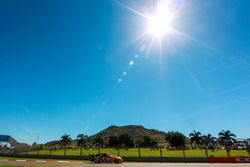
[174,141]
[226,139]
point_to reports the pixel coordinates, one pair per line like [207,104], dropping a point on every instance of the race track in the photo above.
[84,164]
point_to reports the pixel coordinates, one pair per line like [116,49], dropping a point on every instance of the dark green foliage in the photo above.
[136,132]
[176,139]
[81,140]
[125,140]
[98,141]
[65,142]
[209,142]
[148,142]
[113,141]
[138,143]
[37,147]
[227,139]
[52,148]
[248,150]
[196,139]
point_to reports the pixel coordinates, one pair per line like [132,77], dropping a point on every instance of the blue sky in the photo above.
[60,62]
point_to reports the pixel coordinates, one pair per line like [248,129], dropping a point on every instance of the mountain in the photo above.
[135,131]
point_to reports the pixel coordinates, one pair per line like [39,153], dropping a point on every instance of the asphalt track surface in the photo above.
[85,164]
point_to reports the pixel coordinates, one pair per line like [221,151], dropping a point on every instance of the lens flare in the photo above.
[158,20]
[159,23]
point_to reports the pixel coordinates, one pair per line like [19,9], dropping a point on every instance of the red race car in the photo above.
[105,158]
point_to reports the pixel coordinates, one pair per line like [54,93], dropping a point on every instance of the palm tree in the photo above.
[81,141]
[65,141]
[227,139]
[51,149]
[208,142]
[37,147]
[195,138]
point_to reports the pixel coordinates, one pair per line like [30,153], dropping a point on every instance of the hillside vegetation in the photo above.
[134,131]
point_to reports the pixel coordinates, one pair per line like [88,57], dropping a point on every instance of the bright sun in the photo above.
[159,23]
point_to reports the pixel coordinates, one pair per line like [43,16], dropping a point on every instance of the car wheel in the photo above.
[116,162]
[97,161]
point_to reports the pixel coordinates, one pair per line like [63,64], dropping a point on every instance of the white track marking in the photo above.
[64,161]
[40,161]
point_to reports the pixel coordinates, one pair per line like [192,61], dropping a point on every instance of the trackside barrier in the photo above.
[167,159]
[67,157]
[126,159]
[142,159]
[229,159]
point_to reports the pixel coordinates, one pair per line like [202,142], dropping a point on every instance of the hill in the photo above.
[135,131]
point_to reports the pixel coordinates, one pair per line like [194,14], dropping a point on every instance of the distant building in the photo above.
[5,140]
[8,144]
[242,144]
[248,142]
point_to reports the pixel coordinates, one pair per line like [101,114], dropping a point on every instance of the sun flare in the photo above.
[158,21]
[159,24]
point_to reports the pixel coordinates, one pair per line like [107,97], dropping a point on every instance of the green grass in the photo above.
[13,166]
[14,158]
[146,152]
